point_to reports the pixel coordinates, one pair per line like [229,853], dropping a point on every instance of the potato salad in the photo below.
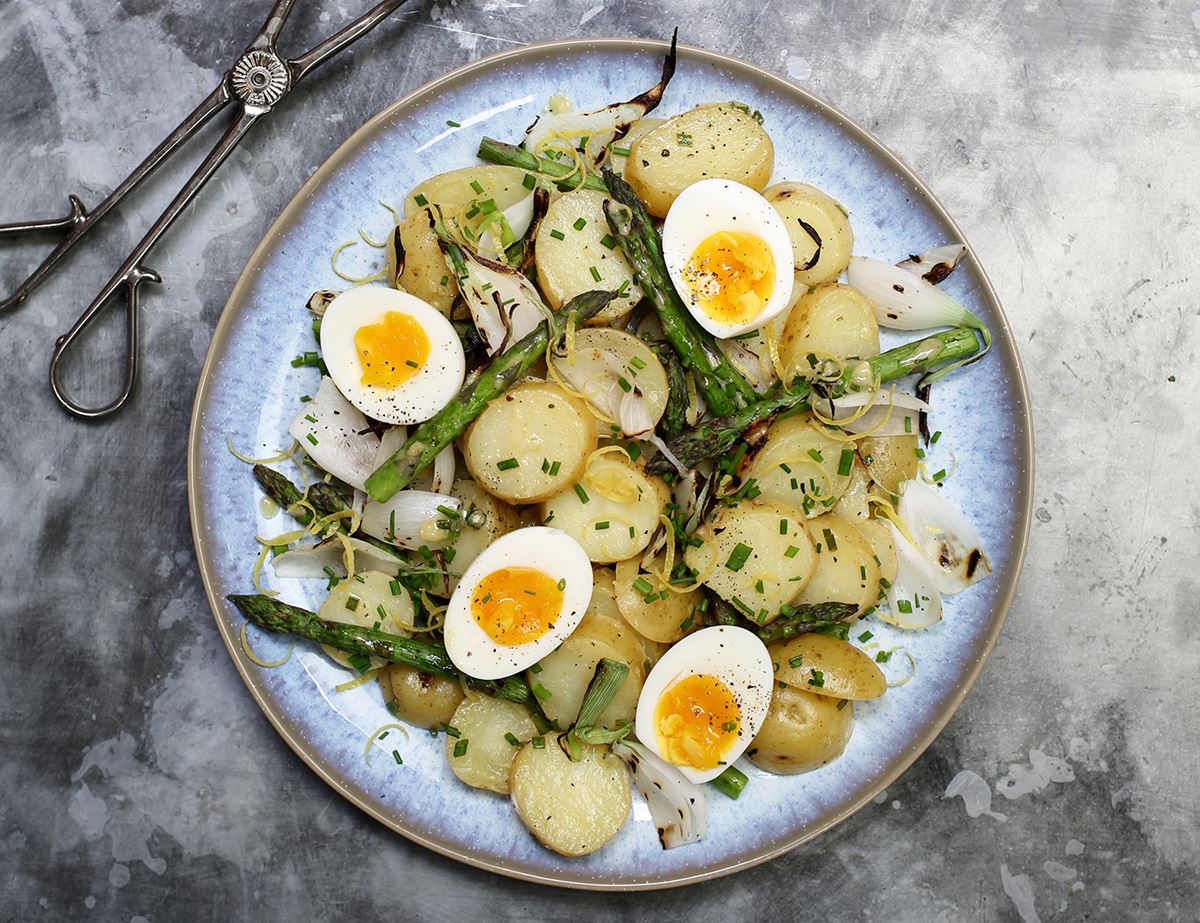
[607,477]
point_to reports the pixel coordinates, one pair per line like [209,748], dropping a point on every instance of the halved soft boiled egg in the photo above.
[705,700]
[393,356]
[517,602]
[729,255]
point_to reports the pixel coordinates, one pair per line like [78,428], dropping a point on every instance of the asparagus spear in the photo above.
[715,437]
[794,620]
[324,498]
[563,173]
[281,618]
[674,420]
[722,385]
[490,382]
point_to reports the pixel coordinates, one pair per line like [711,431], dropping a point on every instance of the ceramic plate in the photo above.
[248,392]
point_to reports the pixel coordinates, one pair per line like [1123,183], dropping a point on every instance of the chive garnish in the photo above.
[846,461]
[460,747]
[558,235]
[508,464]
[580,224]
[738,557]
[581,493]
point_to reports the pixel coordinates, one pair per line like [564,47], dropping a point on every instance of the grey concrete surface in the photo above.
[138,781]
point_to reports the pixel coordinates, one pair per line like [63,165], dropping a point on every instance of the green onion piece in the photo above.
[738,557]
[845,462]
[541,692]
[643,586]
[420,200]
[539,743]
[883,656]
[731,782]
[904,606]
[609,676]
[621,151]
[637,362]
[529,181]
[508,464]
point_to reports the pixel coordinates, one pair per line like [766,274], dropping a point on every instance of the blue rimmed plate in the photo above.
[248,391]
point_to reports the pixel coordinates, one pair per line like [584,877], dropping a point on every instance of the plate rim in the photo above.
[1022,418]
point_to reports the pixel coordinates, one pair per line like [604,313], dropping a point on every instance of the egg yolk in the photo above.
[731,276]
[391,351]
[515,605]
[696,722]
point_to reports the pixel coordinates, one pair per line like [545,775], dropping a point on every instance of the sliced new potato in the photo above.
[572,241]
[803,731]
[420,698]
[880,540]
[756,556]
[573,808]
[890,460]
[827,666]
[713,141]
[602,357]
[454,193]
[367,600]
[561,678]
[846,571]
[664,619]
[425,274]
[613,510]
[819,229]
[802,465]
[485,752]
[832,321]
[854,502]
[605,608]
[498,519]
[530,443]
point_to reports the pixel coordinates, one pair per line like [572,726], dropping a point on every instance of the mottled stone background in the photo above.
[138,781]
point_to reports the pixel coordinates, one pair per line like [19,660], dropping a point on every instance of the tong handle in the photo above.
[74,224]
[132,274]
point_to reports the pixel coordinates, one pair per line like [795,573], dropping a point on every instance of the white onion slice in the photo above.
[677,805]
[934,265]
[504,304]
[945,537]
[913,598]
[633,415]
[903,301]
[443,470]
[312,560]
[518,217]
[340,441]
[409,518]
[881,420]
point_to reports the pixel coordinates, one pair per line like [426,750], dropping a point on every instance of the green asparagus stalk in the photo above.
[715,437]
[563,173]
[674,420]
[324,498]
[281,618]
[490,382]
[792,621]
[722,385]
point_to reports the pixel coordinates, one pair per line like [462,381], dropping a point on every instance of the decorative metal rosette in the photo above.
[259,79]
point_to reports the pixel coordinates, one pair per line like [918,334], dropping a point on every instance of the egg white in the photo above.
[735,656]
[713,205]
[429,389]
[542,548]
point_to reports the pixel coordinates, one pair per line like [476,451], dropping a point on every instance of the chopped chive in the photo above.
[637,362]
[460,747]
[475,186]
[536,669]
[846,461]
[595,273]
[904,606]
[602,525]
[609,241]
[545,465]
[554,468]
[940,476]
[451,730]
[738,557]
[830,541]
[796,661]
[883,656]
[512,738]
[507,464]
[581,493]
[580,224]
[783,527]
[310,418]
[420,200]
[787,469]
[539,743]
[816,455]
[529,182]
[687,623]
[411,364]
[311,438]
[360,662]
[729,727]
[445,279]
[621,151]
[935,437]
[866,636]
[453,124]
[791,552]
[908,424]
[624,383]
[817,679]
[562,584]
[541,692]
[396,756]
[558,235]
[643,586]
[633,450]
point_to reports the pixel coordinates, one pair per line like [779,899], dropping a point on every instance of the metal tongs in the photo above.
[258,80]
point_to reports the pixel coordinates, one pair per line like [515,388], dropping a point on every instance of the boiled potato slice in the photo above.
[602,356]
[827,666]
[662,619]
[605,608]
[573,808]
[717,140]
[819,229]
[853,503]
[846,571]
[880,540]
[454,193]
[890,460]
[612,511]
[499,518]
[485,754]
[561,678]
[570,243]
[367,600]
[537,425]
[420,698]
[425,274]
[832,320]
[631,648]
[803,731]
[756,556]
[802,465]
[617,160]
